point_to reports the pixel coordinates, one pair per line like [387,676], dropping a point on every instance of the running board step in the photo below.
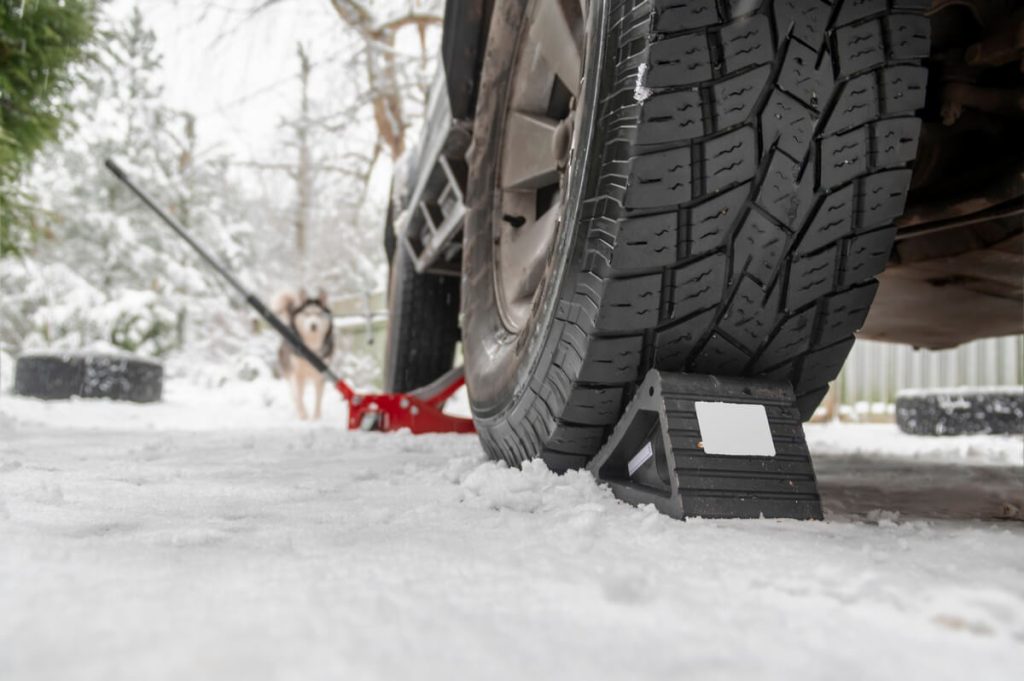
[706,446]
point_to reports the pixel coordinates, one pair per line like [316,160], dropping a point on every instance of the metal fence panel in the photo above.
[876,371]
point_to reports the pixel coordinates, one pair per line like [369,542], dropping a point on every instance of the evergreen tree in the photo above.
[39,42]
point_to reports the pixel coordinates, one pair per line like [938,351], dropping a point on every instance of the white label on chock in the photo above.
[734,429]
[641,457]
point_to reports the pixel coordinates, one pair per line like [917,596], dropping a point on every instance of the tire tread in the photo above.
[741,211]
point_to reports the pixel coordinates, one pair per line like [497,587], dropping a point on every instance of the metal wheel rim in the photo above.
[536,151]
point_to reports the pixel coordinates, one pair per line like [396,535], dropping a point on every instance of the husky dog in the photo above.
[311,319]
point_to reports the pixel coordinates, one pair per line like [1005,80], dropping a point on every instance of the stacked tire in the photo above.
[990,411]
[89,375]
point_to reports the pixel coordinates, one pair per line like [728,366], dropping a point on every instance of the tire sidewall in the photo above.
[499,363]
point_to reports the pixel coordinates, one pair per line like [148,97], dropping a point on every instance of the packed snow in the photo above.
[213,536]
[641,92]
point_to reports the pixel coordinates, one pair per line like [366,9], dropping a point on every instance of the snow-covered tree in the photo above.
[39,42]
[317,220]
[106,270]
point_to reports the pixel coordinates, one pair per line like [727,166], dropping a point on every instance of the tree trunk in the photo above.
[303,174]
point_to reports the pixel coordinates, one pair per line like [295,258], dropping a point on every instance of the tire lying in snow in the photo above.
[60,376]
[995,411]
[718,198]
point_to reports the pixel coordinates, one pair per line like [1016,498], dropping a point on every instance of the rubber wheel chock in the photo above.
[696,445]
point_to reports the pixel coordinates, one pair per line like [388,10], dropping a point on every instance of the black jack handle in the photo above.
[284,330]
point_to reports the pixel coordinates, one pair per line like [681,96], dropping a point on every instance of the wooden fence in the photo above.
[361,324]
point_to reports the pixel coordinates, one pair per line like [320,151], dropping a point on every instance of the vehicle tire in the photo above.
[728,200]
[993,411]
[423,325]
[61,376]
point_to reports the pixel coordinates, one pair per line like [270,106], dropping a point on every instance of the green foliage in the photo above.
[40,40]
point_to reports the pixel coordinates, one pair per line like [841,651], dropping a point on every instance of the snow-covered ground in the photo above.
[214,537]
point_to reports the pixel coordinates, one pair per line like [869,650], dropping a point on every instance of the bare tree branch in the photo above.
[411,19]
[381,66]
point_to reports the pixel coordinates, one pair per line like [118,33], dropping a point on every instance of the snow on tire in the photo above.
[994,411]
[61,376]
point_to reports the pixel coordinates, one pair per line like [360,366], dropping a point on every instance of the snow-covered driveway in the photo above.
[212,538]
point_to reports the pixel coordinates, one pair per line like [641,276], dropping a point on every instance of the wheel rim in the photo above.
[536,150]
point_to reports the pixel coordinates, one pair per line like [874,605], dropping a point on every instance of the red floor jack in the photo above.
[419,410]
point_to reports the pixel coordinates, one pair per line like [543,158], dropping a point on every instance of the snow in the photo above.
[641,91]
[884,440]
[212,536]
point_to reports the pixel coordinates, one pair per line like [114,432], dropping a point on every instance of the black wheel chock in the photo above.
[715,447]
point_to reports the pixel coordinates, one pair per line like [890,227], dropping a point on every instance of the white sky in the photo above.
[238,75]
